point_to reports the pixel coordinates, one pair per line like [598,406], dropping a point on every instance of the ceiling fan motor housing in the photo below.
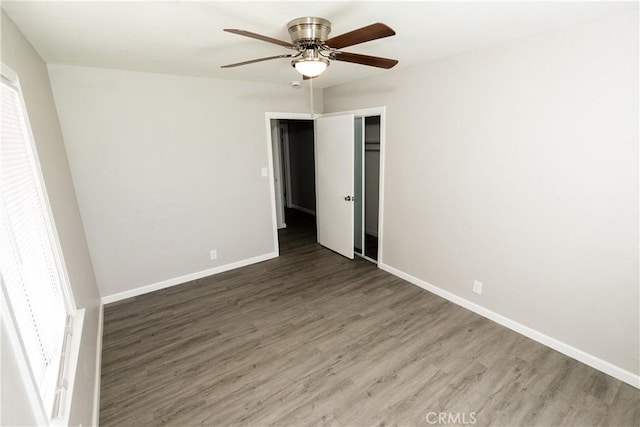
[309,31]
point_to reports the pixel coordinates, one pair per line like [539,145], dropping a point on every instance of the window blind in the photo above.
[27,262]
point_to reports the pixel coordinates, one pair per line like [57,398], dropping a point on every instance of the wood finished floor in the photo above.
[312,338]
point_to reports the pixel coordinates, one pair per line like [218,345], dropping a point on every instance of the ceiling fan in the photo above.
[315,50]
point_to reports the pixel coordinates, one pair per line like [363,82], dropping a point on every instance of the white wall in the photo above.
[18,54]
[15,409]
[518,166]
[167,168]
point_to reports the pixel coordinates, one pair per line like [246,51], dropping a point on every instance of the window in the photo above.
[30,268]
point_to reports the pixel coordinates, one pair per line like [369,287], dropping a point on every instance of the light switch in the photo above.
[265,173]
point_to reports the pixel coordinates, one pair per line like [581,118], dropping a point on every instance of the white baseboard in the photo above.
[96,391]
[305,210]
[186,278]
[564,348]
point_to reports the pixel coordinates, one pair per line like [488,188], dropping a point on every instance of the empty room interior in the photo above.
[320,213]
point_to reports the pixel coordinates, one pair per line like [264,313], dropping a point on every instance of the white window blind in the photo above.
[29,268]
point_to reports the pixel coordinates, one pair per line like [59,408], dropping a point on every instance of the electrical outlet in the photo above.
[477,287]
[213,254]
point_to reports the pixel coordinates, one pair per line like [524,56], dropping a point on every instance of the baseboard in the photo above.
[305,210]
[186,278]
[564,348]
[96,391]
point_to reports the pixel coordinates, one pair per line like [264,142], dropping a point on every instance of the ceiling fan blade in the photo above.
[237,64]
[373,61]
[361,35]
[258,36]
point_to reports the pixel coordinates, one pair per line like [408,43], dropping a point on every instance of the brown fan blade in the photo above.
[361,35]
[258,36]
[237,64]
[373,61]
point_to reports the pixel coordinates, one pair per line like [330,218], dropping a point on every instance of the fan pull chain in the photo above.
[311,97]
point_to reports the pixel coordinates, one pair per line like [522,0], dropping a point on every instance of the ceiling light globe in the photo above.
[311,68]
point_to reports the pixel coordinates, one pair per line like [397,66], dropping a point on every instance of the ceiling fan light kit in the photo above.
[310,64]
[315,50]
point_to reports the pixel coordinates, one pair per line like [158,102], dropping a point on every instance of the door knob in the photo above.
[350,199]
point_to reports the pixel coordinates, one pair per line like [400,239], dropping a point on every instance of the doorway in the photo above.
[336,220]
[367,186]
[294,171]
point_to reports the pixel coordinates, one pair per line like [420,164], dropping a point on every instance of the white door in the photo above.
[334,182]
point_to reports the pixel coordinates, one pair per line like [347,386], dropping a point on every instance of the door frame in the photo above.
[278,174]
[272,186]
[286,164]
[363,112]
[366,112]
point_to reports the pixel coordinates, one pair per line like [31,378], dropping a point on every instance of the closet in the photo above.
[366,186]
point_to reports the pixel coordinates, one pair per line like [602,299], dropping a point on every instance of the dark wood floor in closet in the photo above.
[312,338]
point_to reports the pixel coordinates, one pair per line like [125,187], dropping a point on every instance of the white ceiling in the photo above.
[186,38]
